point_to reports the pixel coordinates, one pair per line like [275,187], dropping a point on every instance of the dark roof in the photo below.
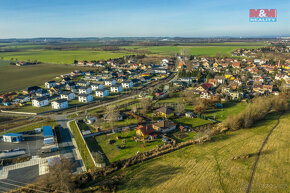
[32,88]
[164,124]
[101,90]
[84,95]
[146,129]
[41,98]
[165,110]
[61,100]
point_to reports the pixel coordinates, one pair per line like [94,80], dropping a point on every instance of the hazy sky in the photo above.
[104,18]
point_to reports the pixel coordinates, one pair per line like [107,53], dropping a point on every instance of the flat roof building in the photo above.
[12,137]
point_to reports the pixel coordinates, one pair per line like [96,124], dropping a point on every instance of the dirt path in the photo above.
[258,155]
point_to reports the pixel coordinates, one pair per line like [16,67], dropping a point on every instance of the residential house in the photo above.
[66,80]
[214,82]
[110,82]
[102,92]
[50,84]
[164,111]
[127,84]
[164,126]
[70,85]
[40,102]
[236,65]
[59,104]
[220,79]
[24,98]
[160,71]
[117,88]
[144,131]
[42,93]
[204,87]
[67,95]
[83,83]
[85,90]
[96,86]
[187,80]
[31,89]
[85,98]
[236,95]
[268,88]
[205,95]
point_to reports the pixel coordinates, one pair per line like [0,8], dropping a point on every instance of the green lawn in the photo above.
[122,123]
[229,108]
[193,122]
[4,63]
[81,146]
[31,109]
[131,147]
[33,126]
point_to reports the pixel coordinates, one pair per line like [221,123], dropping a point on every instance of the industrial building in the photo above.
[48,135]
[13,137]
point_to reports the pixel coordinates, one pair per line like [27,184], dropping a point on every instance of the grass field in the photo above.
[131,147]
[193,50]
[88,162]
[192,122]
[210,167]
[16,78]
[228,108]
[37,52]
[33,126]
[61,56]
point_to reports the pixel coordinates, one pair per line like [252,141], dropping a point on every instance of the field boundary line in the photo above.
[259,154]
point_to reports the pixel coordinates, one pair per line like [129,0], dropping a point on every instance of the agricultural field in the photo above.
[15,78]
[67,53]
[192,168]
[61,56]
[193,50]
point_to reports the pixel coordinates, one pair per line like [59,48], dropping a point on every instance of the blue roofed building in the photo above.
[13,137]
[47,131]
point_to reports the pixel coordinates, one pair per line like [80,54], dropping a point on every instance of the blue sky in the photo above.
[124,18]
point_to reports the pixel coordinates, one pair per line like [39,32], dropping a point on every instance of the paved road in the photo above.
[68,149]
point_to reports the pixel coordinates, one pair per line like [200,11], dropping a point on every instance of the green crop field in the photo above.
[210,167]
[16,78]
[61,56]
[193,50]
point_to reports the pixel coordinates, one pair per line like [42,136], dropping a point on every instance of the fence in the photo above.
[99,165]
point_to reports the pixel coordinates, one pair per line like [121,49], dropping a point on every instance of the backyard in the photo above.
[130,149]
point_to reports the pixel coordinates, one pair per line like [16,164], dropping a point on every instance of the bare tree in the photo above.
[60,177]
[134,109]
[111,114]
[180,107]
[146,105]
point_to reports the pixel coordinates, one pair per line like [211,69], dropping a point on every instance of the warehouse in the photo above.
[13,137]
[48,135]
